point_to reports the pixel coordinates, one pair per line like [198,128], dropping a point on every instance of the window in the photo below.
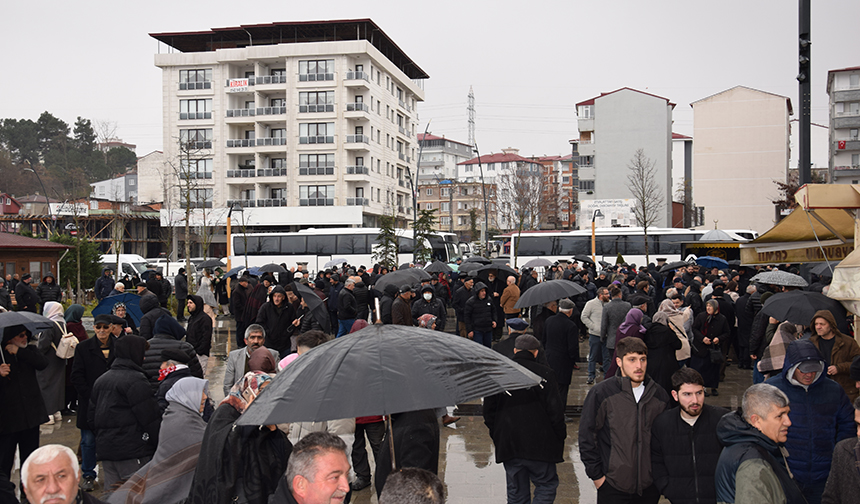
[428,191]
[352,244]
[316,70]
[446,191]
[195,79]
[316,195]
[853,134]
[854,81]
[586,185]
[855,108]
[445,220]
[132,182]
[278,102]
[198,198]
[445,206]
[855,160]
[464,191]
[428,206]
[322,244]
[278,193]
[196,138]
[195,168]
[565,180]
[316,101]
[316,164]
[279,72]
[316,133]
[278,163]
[586,112]
[195,109]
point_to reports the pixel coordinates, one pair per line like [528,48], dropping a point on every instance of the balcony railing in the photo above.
[403,104]
[242,112]
[403,157]
[241,142]
[202,144]
[400,209]
[195,204]
[271,79]
[321,107]
[357,202]
[316,77]
[317,202]
[356,170]
[357,107]
[316,170]
[271,172]
[272,202]
[318,139]
[242,173]
[244,203]
[251,81]
[195,175]
[401,183]
[271,111]
[357,75]
[403,131]
[272,141]
[195,85]
[357,139]
[194,115]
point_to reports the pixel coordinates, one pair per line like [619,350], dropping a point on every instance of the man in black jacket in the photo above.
[347,308]
[180,282]
[48,290]
[238,300]
[429,303]
[684,444]
[152,311]
[459,302]
[277,317]
[5,298]
[168,334]
[528,431]
[562,346]
[25,296]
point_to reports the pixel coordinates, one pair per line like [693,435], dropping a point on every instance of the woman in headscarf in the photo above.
[709,328]
[199,330]
[634,325]
[261,360]
[663,342]
[52,380]
[239,463]
[121,311]
[207,292]
[75,326]
[694,298]
[167,477]
[773,358]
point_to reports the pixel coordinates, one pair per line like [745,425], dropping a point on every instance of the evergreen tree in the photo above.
[424,227]
[90,262]
[385,252]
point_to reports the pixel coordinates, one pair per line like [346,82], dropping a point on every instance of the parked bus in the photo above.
[318,246]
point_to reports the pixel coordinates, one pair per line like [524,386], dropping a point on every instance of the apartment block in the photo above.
[454,201]
[440,157]
[843,89]
[315,117]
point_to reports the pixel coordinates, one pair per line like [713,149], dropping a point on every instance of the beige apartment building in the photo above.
[453,201]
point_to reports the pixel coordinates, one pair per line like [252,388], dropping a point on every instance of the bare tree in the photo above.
[647,196]
[520,195]
[105,130]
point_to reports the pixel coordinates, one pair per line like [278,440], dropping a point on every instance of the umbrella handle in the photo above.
[391,442]
[378,310]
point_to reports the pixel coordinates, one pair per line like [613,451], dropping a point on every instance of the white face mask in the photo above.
[428,296]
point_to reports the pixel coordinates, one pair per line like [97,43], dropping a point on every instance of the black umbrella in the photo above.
[673,266]
[437,267]
[316,306]
[539,262]
[735,262]
[34,323]
[551,290]
[501,271]
[583,259]
[234,271]
[211,263]
[799,306]
[604,264]
[825,269]
[478,259]
[404,266]
[382,370]
[466,267]
[409,276]
[272,268]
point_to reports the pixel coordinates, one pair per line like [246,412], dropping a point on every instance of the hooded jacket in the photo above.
[152,311]
[123,411]
[168,334]
[386,301]
[199,330]
[434,307]
[844,351]
[347,307]
[821,416]
[277,320]
[479,313]
[89,364]
[49,291]
[104,285]
[26,297]
[752,467]
[21,397]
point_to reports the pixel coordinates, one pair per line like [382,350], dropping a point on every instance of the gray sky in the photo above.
[529,62]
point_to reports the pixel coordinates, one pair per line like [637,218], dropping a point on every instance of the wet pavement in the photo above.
[466,462]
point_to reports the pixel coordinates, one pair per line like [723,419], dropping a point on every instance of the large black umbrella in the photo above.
[211,263]
[825,269]
[33,322]
[584,259]
[437,267]
[539,262]
[400,277]
[381,370]
[673,266]
[478,259]
[272,268]
[799,306]
[551,290]
[234,271]
[500,270]
[316,306]
[466,267]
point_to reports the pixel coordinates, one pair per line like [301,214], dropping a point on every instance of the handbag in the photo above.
[68,343]
[716,355]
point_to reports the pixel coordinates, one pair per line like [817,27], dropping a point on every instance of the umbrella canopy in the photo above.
[317,306]
[501,271]
[381,370]
[551,290]
[409,276]
[735,262]
[454,266]
[583,259]
[437,267]
[825,269]
[478,259]
[799,306]
[33,322]
[211,263]
[604,264]
[673,266]
[234,271]
[131,301]
[539,262]
[272,268]
[712,262]
[470,266]
[779,277]
[337,261]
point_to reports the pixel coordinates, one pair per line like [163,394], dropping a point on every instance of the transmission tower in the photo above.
[471,109]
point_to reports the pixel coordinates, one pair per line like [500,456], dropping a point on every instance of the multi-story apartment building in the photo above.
[440,157]
[454,201]
[317,117]
[122,188]
[843,88]
[612,127]
[741,148]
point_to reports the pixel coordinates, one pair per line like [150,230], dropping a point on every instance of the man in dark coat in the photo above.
[347,308]
[386,302]
[480,316]
[48,290]
[238,300]
[104,284]
[462,295]
[25,296]
[527,428]
[745,320]
[5,297]
[401,311]
[93,357]
[124,413]
[562,346]
[180,281]
[23,408]
[429,303]
[152,311]
[684,444]
[276,317]
[416,444]
[614,313]
[168,334]
[539,320]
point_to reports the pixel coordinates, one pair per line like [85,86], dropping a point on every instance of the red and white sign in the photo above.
[841,144]
[238,85]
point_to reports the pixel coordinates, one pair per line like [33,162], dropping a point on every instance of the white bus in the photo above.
[609,242]
[318,246]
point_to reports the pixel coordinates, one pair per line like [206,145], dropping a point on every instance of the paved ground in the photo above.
[467,464]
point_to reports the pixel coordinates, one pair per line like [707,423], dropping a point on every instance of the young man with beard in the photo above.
[684,444]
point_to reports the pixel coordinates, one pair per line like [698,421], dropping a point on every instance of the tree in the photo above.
[385,252]
[787,189]
[473,224]
[424,227]
[119,159]
[648,200]
[521,200]
[84,253]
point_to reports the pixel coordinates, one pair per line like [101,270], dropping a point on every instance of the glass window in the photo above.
[269,245]
[535,246]
[322,244]
[352,244]
[294,245]
[570,245]
[405,245]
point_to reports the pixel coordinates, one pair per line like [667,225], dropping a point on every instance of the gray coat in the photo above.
[614,313]
[236,367]
[843,484]
[52,380]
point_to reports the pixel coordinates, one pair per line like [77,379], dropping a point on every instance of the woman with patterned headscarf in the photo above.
[239,463]
[121,311]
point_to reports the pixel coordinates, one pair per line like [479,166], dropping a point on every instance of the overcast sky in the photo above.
[528,62]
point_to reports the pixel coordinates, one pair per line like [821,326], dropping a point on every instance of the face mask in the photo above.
[208,409]
[428,296]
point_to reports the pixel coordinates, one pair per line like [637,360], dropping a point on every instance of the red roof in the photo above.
[678,136]
[497,158]
[16,241]
[591,101]
[429,136]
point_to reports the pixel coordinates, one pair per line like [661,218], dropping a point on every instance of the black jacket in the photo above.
[89,363]
[168,334]
[238,300]
[347,308]
[479,313]
[123,410]
[528,423]
[716,327]
[181,285]
[662,343]
[5,299]
[26,297]
[49,291]
[168,382]
[434,307]
[386,301]
[562,346]
[459,302]
[278,322]
[152,311]
[20,395]
[199,330]
[416,444]
[104,285]
[684,458]
[401,313]
[363,299]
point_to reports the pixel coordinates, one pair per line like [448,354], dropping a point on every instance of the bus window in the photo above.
[321,245]
[269,245]
[352,244]
[405,245]
[572,245]
[534,246]
[636,245]
[294,245]
[609,246]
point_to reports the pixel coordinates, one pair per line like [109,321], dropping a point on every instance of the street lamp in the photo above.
[47,203]
[597,213]
[237,208]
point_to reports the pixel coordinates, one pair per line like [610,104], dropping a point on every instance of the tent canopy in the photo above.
[804,236]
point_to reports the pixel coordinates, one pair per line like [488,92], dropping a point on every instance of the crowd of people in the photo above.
[658,345]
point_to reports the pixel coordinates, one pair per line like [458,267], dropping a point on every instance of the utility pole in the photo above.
[486,211]
[804,169]
[471,109]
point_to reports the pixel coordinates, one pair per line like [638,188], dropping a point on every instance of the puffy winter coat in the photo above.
[278,322]
[168,334]
[152,311]
[199,330]
[23,407]
[104,285]
[347,308]
[434,307]
[49,291]
[89,364]
[479,313]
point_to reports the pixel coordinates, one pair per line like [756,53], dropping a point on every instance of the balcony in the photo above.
[271,141]
[357,202]
[203,144]
[356,170]
[194,115]
[317,202]
[183,86]
[401,182]
[238,84]
[319,139]
[271,111]
[243,203]
[403,157]
[272,202]
[357,139]
[195,204]
[403,131]
[322,107]
[242,173]
[357,76]
[242,112]
[846,145]
[846,121]
[271,79]
[357,107]
[195,175]
[357,80]
[272,172]
[400,209]
[316,170]
[316,77]
[404,105]
[241,142]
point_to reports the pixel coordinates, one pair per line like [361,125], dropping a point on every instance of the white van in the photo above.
[129,264]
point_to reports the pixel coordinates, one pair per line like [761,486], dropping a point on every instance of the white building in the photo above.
[122,189]
[843,88]
[319,117]
[612,127]
[741,147]
[440,157]
[153,178]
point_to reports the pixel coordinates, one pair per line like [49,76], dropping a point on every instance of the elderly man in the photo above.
[118,288]
[752,466]
[592,317]
[25,296]
[562,346]
[317,472]
[51,475]
[401,310]
[837,349]
[347,308]
[510,296]
[237,360]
